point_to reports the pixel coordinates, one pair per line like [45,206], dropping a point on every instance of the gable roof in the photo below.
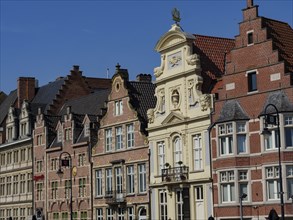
[282,36]
[212,52]
[232,111]
[2,97]
[5,105]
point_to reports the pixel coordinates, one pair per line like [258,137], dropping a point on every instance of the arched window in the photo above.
[177,151]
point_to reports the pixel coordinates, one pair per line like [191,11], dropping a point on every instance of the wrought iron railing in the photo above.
[175,174]
[115,196]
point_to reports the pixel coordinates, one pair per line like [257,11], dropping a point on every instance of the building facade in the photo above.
[245,164]
[121,156]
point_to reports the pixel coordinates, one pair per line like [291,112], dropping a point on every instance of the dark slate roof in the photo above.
[282,35]
[232,111]
[2,97]
[47,93]
[51,123]
[212,52]
[5,105]
[280,100]
[90,104]
[142,97]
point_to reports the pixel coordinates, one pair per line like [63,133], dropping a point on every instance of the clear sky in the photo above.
[44,39]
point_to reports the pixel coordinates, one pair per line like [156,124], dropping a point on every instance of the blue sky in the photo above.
[44,39]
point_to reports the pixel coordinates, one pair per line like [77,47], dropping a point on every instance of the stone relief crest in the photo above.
[159,70]
[205,102]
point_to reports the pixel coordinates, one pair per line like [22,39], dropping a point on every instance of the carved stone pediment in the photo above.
[173,117]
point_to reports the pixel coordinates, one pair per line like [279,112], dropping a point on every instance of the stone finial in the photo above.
[249,3]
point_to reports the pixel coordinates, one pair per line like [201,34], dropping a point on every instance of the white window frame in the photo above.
[243,178]
[118,179]
[109,214]
[118,107]
[225,138]
[142,182]
[227,181]
[288,126]
[99,183]
[241,132]
[289,181]
[118,138]
[179,204]
[130,213]
[178,154]
[163,205]
[197,153]
[130,135]
[108,139]
[130,179]
[99,214]
[109,181]
[272,179]
[161,156]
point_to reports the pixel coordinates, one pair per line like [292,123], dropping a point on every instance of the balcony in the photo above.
[175,174]
[115,197]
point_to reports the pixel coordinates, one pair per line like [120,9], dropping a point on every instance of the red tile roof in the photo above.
[212,52]
[282,35]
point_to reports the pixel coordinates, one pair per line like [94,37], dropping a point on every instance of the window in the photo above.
[243,183]
[225,132]
[288,124]
[39,140]
[64,215]
[81,187]
[110,215]
[199,193]
[15,213]
[39,166]
[22,184]
[241,137]
[2,186]
[130,179]
[39,191]
[9,157]
[99,214]
[289,177]
[22,155]
[15,156]
[15,184]
[130,135]
[177,151]
[109,182]
[59,135]
[163,205]
[108,139]
[23,131]
[252,82]
[270,140]
[74,215]
[87,130]
[99,185]
[67,188]
[68,134]
[83,215]
[142,177]
[22,214]
[81,159]
[118,175]
[197,152]
[130,211]
[56,216]
[54,163]
[8,185]
[161,156]
[54,188]
[179,204]
[119,143]
[118,107]
[227,186]
[272,183]
[250,38]
[120,214]
[29,153]
[2,159]
[29,182]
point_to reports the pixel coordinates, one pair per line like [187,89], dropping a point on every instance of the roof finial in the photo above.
[176,15]
[249,3]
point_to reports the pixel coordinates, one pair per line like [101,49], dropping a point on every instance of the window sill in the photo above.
[197,171]
[252,92]
[130,195]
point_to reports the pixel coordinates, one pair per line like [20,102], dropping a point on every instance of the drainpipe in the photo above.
[149,190]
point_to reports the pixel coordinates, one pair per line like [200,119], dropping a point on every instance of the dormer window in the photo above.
[86,130]
[250,38]
[118,107]
[59,136]
[68,134]
[23,131]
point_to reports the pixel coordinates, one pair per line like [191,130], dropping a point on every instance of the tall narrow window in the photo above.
[130,179]
[130,135]
[108,139]
[8,185]
[163,205]
[119,143]
[81,187]
[288,122]
[109,182]
[119,107]
[177,151]
[109,213]
[142,177]
[54,188]
[197,152]
[272,182]
[22,184]
[81,159]
[227,186]
[67,188]
[15,184]
[179,204]
[99,214]
[29,182]
[99,181]
[2,186]
[241,137]
[130,212]
[270,140]
[68,134]
[289,177]
[120,214]
[161,156]
[39,191]
[83,215]
[243,183]
[250,38]
[252,82]
[118,174]
[225,132]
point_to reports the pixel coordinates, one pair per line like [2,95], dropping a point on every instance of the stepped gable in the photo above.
[142,98]
[280,100]
[6,104]
[232,111]
[212,52]
[89,104]
[98,83]
[282,36]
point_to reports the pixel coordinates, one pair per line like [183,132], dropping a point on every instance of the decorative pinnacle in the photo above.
[176,15]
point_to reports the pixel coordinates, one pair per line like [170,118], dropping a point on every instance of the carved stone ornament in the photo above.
[191,59]
[159,70]
[175,98]
[151,116]
[205,101]
[194,90]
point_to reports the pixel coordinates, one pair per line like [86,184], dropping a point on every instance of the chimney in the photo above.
[25,89]
[144,77]
[75,71]
[249,3]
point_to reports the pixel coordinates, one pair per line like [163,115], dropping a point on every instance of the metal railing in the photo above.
[175,174]
[115,196]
